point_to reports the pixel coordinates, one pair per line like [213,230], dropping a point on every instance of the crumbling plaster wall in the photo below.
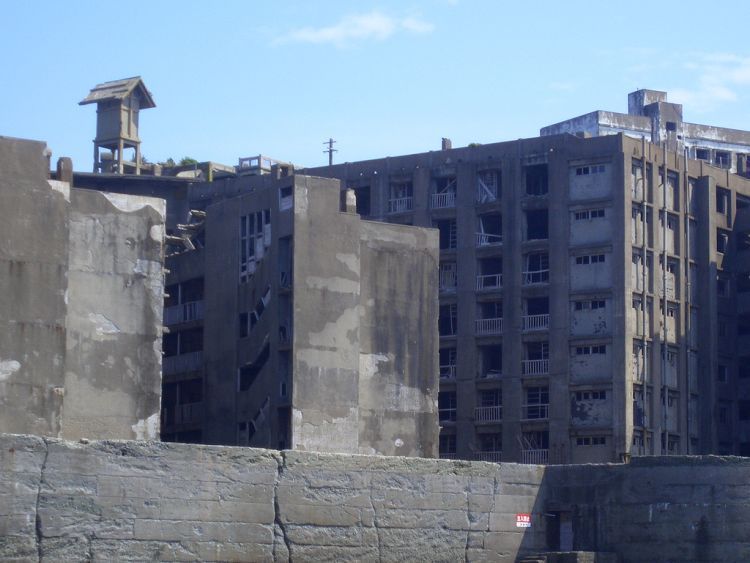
[80,304]
[398,372]
[33,288]
[114,323]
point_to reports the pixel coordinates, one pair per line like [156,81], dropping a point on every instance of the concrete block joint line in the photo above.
[152,501]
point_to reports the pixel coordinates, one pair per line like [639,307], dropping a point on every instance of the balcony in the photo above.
[191,311]
[188,413]
[443,200]
[535,412]
[400,204]
[532,277]
[489,282]
[487,239]
[488,414]
[183,363]
[535,322]
[535,367]
[489,326]
[535,457]
[495,457]
[448,372]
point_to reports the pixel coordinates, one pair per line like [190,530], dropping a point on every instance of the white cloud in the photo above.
[356,27]
[719,78]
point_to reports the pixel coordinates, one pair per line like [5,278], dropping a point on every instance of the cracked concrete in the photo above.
[151,501]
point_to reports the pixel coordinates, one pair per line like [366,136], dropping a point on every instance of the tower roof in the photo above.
[118,90]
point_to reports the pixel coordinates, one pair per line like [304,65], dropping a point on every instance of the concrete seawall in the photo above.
[126,500]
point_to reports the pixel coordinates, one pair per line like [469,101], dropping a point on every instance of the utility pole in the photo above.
[330,150]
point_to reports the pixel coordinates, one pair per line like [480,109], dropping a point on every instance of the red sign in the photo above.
[523,520]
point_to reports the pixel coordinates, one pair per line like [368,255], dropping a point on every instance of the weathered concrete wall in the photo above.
[115,296]
[326,287]
[155,501]
[80,304]
[138,501]
[33,286]
[398,372]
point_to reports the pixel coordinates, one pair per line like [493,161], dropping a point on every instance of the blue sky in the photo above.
[234,79]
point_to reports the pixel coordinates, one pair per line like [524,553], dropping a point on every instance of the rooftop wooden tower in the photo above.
[117,106]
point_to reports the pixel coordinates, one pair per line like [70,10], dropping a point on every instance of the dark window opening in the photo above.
[537,224]
[448,320]
[447,406]
[537,306]
[447,230]
[537,180]
[248,373]
[363,200]
[491,360]
[671,126]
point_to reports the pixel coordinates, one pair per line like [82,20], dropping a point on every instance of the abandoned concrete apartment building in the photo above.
[592,281]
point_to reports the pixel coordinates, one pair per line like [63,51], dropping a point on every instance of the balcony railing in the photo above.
[445,199]
[535,367]
[491,374]
[489,281]
[447,455]
[535,412]
[487,239]
[495,457]
[448,371]
[489,326]
[532,277]
[191,311]
[183,363]
[536,457]
[400,204]
[488,414]
[535,322]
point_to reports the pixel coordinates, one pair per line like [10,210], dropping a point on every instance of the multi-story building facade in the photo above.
[294,324]
[586,295]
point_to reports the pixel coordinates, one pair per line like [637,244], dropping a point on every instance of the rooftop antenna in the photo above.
[330,150]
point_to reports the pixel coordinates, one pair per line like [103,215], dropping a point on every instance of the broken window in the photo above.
[636,181]
[448,320]
[723,198]
[400,197]
[722,241]
[444,192]
[537,268]
[490,274]
[491,442]
[448,276]
[490,229]
[447,228]
[248,373]
[490,398]
[488,186]
[537,403]
[702,154]
[285,198]
[536,224]
[255,237]
[447,363]
[362,193]
[447,446]
[537,181]
[447,406]
[723,159]
[490,362]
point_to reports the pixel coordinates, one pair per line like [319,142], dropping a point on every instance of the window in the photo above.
[702,154]
[590,169]
[537,268]
[590,350]
[491,442]
[591,395]
[590,259]
[491,398]
[671,126]
[448,320]
[722,241]
[537,179]
[248,373]
[589,214]
[743,407]
[722,200]
[721,374]
[447,446]
[447,406]
[537,402]
[722,286]
[255,237]
[592,305]
[591,441]
[447,230]
[488,184]
[537,224]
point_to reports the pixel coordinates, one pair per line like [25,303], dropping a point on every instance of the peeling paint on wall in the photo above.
[351,261]
[102,325]
[8,368]
[369,364]
[130,203]
[147,429]
[335,284]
